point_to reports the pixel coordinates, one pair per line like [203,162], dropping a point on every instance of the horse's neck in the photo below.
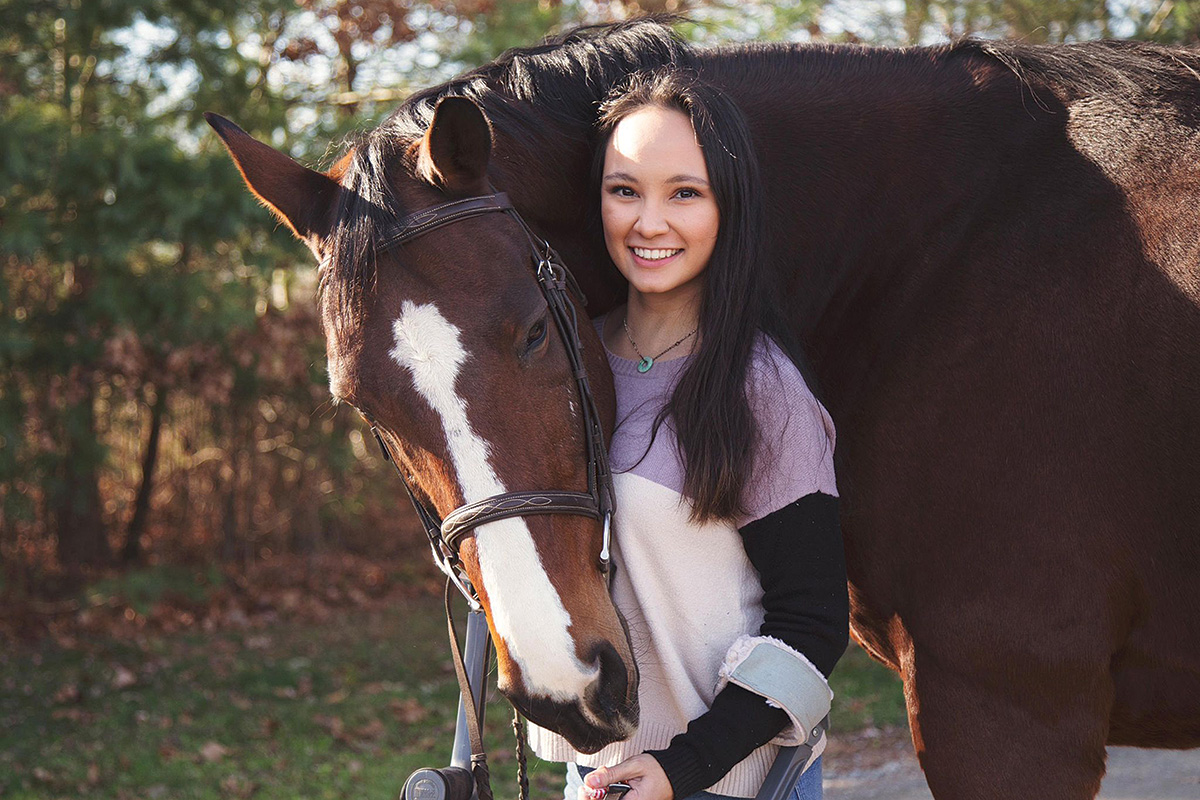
[551,192]
[872,163]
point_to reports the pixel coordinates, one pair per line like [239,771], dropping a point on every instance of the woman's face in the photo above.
[659,213]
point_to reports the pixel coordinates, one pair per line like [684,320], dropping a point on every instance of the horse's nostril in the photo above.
[607,695]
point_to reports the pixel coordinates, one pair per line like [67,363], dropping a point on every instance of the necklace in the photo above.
[646,363]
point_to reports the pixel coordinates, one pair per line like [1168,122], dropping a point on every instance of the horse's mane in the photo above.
[1125,73]
[571,73]
[575,69]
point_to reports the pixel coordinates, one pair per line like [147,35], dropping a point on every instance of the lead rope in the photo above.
[522,768]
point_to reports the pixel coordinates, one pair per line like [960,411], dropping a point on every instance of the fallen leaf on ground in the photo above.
[213,751]
[122,678]
[334,725]
[67,693]
[408,711]
[238,786]
[372,730]
[73,714]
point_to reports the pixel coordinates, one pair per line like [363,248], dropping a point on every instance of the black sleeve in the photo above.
[797,551]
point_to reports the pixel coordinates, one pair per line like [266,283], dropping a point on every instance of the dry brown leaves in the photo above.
[284,589]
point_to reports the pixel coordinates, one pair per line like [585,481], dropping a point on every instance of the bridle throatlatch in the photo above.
[445,535]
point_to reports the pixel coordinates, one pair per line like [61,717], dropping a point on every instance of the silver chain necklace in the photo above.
[646,363]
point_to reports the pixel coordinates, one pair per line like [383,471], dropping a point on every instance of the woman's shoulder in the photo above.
[796,436]
[778,388]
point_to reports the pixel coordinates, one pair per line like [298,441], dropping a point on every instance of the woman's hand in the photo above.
[642,772]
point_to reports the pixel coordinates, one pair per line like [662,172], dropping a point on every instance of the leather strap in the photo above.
[422,222]
[479,767]
[464,519]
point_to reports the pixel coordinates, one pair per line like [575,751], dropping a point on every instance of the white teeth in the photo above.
[654,255]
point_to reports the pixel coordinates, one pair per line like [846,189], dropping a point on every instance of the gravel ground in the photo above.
[880,764]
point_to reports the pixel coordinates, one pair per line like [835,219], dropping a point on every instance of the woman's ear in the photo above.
[455,150]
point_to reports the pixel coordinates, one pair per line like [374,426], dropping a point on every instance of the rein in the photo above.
[445,535]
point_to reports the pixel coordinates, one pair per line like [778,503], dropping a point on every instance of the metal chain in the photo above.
[652,359]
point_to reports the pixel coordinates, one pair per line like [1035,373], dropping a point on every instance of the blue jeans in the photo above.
[807,788]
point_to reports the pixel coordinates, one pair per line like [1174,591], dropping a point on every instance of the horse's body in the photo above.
[993,255]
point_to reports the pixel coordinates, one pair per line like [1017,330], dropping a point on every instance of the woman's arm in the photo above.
[797,551]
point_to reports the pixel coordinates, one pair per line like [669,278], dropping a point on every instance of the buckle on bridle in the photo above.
[605,555]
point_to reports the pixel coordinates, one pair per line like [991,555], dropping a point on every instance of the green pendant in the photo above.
[645,364]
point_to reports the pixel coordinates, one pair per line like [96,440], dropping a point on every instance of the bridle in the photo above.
[445,535]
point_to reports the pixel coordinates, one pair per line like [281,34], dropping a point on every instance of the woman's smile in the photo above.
[654,257]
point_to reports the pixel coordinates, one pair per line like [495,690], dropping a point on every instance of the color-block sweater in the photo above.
[697,598]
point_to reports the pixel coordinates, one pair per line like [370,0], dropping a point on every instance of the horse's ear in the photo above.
[300,196]
[455,150]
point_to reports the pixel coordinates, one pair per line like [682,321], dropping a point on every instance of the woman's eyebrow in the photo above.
[625,176]
[687,179]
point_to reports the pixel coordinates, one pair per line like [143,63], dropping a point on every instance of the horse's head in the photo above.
[446,344]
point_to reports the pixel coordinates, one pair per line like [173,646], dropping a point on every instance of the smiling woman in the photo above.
[729,549]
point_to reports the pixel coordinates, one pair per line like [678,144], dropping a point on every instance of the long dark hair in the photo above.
[710,408]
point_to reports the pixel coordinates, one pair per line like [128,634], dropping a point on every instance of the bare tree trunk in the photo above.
[76,504]
[132,551]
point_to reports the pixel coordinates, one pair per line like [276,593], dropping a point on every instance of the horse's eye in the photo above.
[537,334]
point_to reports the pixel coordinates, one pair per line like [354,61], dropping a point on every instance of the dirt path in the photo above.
[880,764]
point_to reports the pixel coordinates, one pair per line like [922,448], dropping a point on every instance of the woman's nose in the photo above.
[651,221]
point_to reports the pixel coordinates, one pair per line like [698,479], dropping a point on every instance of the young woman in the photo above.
[730,566]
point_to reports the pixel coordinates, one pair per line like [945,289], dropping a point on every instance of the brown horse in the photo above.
[992,252]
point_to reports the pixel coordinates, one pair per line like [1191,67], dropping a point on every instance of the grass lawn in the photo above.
[342,709]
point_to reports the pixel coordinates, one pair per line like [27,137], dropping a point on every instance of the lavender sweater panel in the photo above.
[796,434]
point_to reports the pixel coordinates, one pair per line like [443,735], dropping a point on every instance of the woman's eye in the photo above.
[687,194]
[623,191]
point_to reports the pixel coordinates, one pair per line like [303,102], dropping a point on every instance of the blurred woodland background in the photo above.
[163,394]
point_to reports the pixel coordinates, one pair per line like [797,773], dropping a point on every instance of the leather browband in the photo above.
[422,222]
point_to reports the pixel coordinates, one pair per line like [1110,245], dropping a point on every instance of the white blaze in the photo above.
[526,609]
